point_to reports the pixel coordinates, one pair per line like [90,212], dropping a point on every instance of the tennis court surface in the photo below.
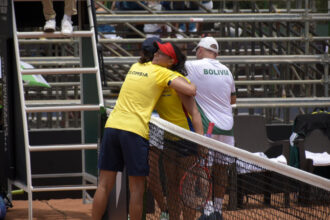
[71,209]
[190,172]
[182,181]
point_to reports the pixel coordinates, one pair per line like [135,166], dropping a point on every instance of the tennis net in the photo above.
[192,177]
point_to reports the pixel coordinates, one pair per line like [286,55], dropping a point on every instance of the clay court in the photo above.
[70,209]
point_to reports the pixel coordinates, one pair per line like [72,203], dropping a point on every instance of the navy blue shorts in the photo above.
[123,148]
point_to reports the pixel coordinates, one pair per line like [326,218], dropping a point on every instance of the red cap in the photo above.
[168,49]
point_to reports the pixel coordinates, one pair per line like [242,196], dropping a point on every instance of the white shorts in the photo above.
[218,157]
[224,138]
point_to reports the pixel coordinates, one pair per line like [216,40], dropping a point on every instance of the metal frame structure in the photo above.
[278,54]
[88,181]
[278,50]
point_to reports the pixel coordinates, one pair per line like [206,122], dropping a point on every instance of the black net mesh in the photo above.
[190,181]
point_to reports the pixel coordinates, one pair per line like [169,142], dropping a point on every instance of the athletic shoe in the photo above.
[209,208]
[215,216]
[192,27]
[182,27]
[66,26]
[193,30]
[164,216]
[50,25]
[179,36]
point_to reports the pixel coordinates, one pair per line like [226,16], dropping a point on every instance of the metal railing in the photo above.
[276,49]
[273,51]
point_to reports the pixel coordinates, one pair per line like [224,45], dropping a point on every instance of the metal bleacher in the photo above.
[279,60]
[276,50]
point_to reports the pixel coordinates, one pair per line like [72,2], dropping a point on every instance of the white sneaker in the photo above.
[179,36]
[50,25]
[66,26]
[193,30]
[208,209]
[164,216]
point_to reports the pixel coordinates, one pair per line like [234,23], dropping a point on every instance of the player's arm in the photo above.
[233,98]
[182,86]
[233,92]
[191,107]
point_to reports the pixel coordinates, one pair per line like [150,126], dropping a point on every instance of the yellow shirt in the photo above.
[143,85]
[169,107]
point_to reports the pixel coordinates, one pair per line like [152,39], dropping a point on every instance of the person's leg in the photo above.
[154,181]
[193,27]
[136,187]
[101,196]
[179,5]
[49,14]
[48,9]
[220,175]
[187,162]
[135,151]
[172,168]
[109,163]
[70,7]
[220,182]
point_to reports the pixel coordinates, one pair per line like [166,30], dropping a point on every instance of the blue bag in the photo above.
[3,209]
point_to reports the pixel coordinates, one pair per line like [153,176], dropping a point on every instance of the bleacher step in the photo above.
[56,34]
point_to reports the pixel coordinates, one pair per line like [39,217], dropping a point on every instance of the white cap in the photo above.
[208,43]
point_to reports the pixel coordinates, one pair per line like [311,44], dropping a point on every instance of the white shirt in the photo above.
[215,84]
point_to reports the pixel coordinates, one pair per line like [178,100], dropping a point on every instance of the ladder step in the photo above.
[60,71]
[69,108]
[51,61]
[63,188]
[31,103]
[56,34]
[87,176]
[56,175]
[48,41]
[62,147]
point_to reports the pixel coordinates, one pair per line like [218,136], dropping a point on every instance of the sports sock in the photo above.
[67,17]
[218,204]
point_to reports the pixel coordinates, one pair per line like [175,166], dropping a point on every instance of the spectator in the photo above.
[184,27]
[215,94]
[172,107]
[49,13]
[106,30]
[208,5]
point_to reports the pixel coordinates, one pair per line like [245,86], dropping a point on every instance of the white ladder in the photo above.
[63,107]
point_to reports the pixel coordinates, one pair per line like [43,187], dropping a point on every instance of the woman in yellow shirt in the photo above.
[181,110]
[125,139]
